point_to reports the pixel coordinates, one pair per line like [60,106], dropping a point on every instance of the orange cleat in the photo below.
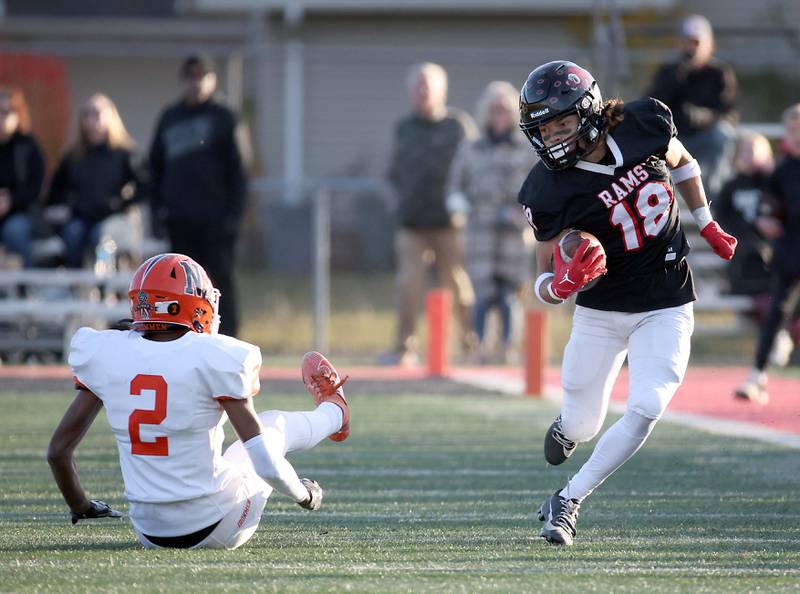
[322,381]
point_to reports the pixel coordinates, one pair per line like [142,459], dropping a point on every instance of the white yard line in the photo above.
[515,386]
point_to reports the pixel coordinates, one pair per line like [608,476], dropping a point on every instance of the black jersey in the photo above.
[629,205]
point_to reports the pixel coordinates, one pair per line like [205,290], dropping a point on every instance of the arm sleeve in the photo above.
[272,466]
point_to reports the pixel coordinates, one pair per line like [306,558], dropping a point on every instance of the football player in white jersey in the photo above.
[168,385]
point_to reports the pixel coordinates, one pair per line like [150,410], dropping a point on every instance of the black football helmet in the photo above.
[555,90]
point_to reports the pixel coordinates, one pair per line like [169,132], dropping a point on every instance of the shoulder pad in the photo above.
[86,345]
[652,117]
[231,366]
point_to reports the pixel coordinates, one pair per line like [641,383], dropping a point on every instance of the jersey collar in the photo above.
[605,169]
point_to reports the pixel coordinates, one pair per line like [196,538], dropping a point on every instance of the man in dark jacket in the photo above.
[425,144]
[198,181]
[701,92]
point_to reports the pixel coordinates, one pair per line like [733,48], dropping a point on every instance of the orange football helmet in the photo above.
[173,290]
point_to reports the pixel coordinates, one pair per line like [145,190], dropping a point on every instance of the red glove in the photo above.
[588,263]
[723,244]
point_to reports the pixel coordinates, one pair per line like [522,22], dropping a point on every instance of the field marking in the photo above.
[715,425]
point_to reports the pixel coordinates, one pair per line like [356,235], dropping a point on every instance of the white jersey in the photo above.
[162,402]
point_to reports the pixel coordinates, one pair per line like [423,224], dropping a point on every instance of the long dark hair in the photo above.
[612,113]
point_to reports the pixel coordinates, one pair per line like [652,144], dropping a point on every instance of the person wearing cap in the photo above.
[701,92]
[198,180]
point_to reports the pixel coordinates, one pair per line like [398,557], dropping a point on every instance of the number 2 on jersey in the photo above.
[159,447]
[653,201]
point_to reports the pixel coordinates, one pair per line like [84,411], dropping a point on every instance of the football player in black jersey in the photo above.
[609,168]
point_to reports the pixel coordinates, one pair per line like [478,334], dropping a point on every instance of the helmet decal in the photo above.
[193,281]
[573,80]
[142,306]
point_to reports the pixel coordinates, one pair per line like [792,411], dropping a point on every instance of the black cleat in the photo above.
[560,517]
[557,448]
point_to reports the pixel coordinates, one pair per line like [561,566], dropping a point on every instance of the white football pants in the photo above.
[657,344]
[284,431]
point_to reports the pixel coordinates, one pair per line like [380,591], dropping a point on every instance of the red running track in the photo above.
[706,391]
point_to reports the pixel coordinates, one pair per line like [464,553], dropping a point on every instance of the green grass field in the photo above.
[431,492]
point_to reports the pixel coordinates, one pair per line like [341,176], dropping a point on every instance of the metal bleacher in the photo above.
[40,309]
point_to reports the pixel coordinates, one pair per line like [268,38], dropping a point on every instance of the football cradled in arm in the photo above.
[570,277]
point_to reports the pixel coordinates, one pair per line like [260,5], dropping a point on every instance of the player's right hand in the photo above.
[97,509]
[315,493]
[588,263]
[723,244]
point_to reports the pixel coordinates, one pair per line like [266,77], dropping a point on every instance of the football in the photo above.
[568,245]
[571,240]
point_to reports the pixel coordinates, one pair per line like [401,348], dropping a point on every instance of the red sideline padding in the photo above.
[439,304]
[535,351]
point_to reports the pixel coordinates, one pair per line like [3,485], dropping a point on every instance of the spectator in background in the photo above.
[782,225]
[486,176]
[96,177]
[21,174]
[425,143]
[738,206]
[701,92]
[199,182]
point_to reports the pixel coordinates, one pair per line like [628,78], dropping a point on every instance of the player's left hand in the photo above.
[315,494]
[723,244]
[97,509]
[588,263]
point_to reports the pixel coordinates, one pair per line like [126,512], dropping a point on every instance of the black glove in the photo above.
[315,494]
[97,509]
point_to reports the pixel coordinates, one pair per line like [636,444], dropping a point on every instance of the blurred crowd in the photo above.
[456,179]
[103,196]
